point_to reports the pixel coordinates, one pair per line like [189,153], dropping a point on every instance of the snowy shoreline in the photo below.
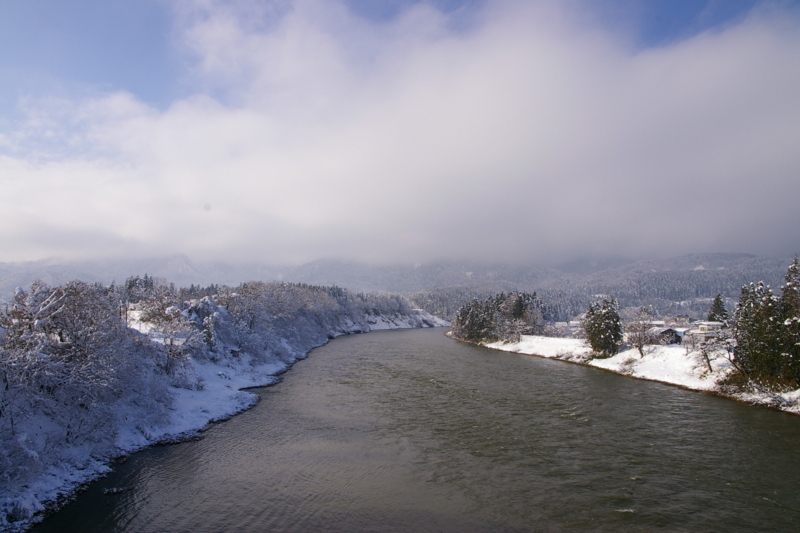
[192,411]
[672,365]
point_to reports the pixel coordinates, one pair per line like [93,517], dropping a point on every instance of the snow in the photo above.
[672,364]
[193,410]
[668,364]
[553,347]
[217,395]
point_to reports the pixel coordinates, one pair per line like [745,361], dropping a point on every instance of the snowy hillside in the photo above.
[89,375]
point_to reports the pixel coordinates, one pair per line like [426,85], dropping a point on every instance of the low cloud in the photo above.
[514,131]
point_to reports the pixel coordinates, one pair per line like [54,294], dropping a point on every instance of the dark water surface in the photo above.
[410,431]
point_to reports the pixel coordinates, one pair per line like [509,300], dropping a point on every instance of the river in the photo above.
[409,431]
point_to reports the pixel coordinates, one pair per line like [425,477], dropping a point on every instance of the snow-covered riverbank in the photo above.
[207,387]
[222,396]
[668,364]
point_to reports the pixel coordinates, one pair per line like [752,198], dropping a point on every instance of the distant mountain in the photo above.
[590,266]
[682,284]
[415,278]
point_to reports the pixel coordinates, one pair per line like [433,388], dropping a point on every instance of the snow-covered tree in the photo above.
[790,315]
[760,335]
[476,321]
[68,362]
[717,312]
[638,329]
[603,327]
[767,332]
[790,297]
[504,316]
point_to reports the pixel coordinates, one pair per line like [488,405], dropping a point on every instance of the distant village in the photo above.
[678,330]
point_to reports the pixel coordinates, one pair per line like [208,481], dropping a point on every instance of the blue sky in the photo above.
[50,46]
[288,130]
[56,47]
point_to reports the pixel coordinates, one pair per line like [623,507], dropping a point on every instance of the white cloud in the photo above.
[523,134]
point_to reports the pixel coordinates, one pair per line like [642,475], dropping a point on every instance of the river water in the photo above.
[409,431]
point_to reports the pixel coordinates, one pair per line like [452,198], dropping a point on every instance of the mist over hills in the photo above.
[675,285]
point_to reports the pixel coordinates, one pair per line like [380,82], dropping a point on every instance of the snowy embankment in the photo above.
[222,396]
[673,364]
[165,381]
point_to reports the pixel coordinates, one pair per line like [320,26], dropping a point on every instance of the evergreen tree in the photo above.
[717,312]
[790,299]
[501,317]
[760,335]
[767,332]
[475,321]
[790,315]
[603,327]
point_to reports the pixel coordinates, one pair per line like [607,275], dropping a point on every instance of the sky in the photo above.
[284,131]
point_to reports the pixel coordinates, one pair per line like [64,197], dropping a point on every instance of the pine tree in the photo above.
[501,317]
[717,312]
[760,335]
[603,327]
[790,315]
[476,321]
[767,332]
[790,299]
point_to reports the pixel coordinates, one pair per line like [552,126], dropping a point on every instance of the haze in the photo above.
[289,130]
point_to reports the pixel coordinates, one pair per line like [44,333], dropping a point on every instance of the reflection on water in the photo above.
[410,431]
